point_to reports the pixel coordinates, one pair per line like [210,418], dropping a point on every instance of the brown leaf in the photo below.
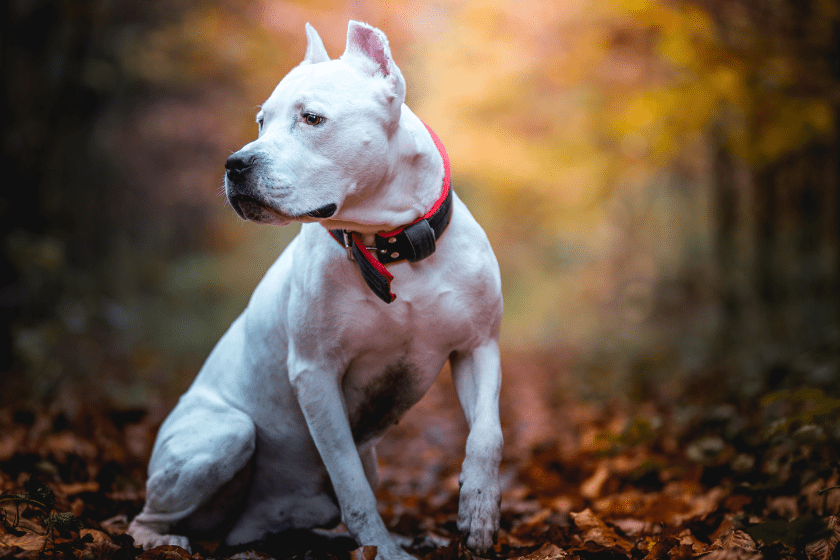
[596,531]
[165,552]
[11,442]
[363,553]
[591,487]
[687,539]
[723,530]
[736,545]
[62,445]
[733,553]
[735,539]
[98,536]
[75,488]
[547,551]
[681,552]
[251,555]
[27,541]
[532,522]
[116,525]
[658,548]
[633,527]
[823,549]
[822,501]
[209,547]
[785,507]
[704,504]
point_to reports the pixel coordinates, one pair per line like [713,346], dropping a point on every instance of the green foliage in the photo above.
[793,534]
[638,431]
[801,407]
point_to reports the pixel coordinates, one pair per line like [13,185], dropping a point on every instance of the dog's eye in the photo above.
[260,120]
[312,119]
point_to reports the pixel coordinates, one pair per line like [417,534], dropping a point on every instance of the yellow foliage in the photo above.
[575,108]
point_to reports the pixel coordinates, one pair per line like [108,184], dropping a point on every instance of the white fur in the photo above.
[276,401]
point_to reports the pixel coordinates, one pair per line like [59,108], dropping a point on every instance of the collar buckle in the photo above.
[348,245]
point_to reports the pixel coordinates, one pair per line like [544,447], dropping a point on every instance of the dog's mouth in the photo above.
[249,208]
[323,212]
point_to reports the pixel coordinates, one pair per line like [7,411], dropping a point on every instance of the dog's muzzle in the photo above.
[248,206]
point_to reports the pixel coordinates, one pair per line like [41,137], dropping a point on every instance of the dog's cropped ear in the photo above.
[315,51]
[367,49]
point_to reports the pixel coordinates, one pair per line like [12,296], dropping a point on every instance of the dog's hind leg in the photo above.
[201,446]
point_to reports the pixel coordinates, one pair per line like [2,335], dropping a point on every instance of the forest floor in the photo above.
[590,480]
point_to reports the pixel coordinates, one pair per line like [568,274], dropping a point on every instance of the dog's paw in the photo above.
[478,513]
[149,538]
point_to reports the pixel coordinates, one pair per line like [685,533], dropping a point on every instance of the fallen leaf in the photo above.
[11,443]
[785,507]
[532,521]
[596,531]
[704,504]
[735,539]
[363,553]
[165,552]
[591,487]
[682,552]
[116,525]
[208,546]
[824,548]
[251,555]
[658,548]
[65,444]
[27,541]
[687,539]
[547,551]
[632,527]
[98,536]
[432,540]
[734,553]
[76,488]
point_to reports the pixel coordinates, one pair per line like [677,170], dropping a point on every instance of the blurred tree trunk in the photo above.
[777,230]
[63,217]
[46,114]
[727,207]
[791,260]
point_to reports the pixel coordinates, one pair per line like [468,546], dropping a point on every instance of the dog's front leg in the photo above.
[321,400]
[477,375]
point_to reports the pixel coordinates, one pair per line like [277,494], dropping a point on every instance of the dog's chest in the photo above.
[396,359]
[376,402]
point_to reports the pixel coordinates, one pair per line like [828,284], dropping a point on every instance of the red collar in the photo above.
[414,241]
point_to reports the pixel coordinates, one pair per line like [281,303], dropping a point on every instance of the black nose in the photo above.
[237,164]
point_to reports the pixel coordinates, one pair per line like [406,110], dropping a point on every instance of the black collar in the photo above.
[413,242]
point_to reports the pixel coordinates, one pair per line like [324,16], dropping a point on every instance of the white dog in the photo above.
[279,428]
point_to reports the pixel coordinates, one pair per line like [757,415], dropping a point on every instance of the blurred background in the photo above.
[659,180]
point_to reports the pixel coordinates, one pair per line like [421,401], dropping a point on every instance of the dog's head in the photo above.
[324,133]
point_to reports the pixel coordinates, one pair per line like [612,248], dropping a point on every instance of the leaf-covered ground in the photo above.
[590,480]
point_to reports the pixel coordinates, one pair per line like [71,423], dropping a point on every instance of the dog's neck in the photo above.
[409,189]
